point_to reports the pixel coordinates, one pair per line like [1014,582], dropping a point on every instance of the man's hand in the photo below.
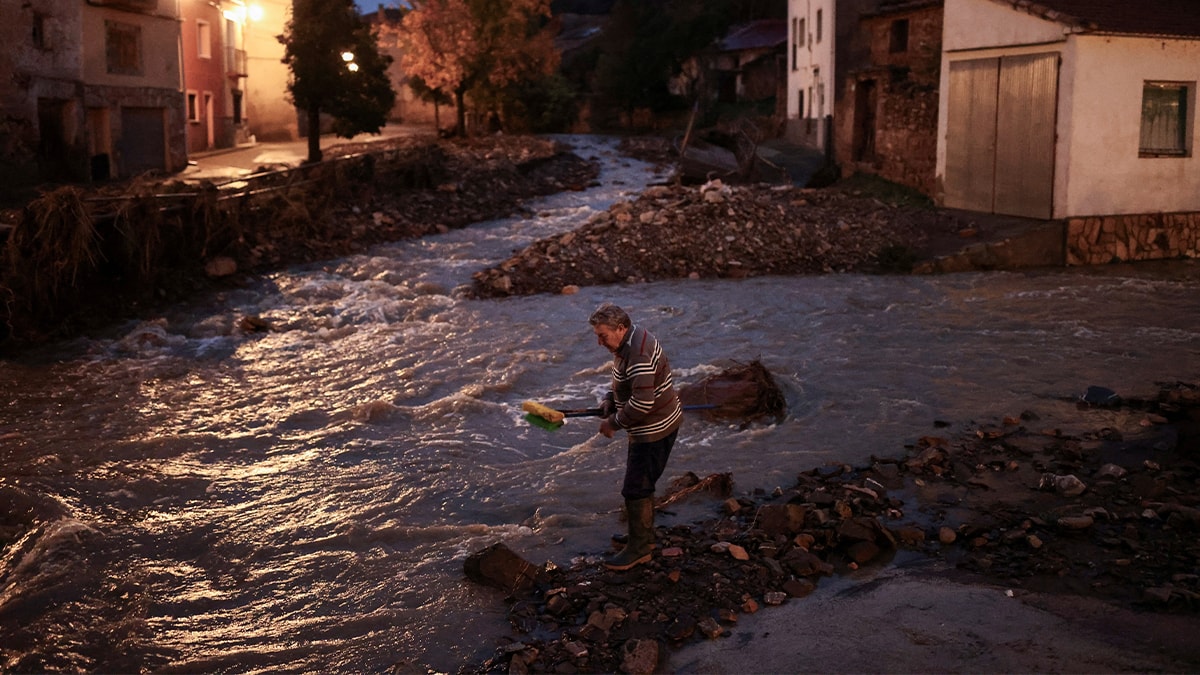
[606,428]
[608,406]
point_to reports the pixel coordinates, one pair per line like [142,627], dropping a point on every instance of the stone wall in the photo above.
[1096,240]
[887,119]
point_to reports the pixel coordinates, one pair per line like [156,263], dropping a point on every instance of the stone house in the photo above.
[92,90]
[1076,110]
[214,72]
[886,121]
[749,62]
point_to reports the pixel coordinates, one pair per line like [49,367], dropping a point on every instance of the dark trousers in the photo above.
[644,463]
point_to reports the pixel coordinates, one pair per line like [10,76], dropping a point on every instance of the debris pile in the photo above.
[720,231]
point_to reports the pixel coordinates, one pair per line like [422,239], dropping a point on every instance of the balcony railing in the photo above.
[235,62]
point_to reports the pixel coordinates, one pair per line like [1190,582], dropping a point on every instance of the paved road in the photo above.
[247,159]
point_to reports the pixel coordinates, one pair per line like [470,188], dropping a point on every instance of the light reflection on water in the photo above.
[303,499]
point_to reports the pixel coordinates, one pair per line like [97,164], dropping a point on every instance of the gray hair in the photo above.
[610,315]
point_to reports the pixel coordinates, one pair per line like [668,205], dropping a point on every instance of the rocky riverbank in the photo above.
[1107,509]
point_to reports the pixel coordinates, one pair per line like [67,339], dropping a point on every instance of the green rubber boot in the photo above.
[641,536]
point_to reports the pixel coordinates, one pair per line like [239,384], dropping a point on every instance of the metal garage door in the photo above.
[1000,135]
[143,142]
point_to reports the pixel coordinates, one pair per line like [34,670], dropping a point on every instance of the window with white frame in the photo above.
[1165,119]
[203,39]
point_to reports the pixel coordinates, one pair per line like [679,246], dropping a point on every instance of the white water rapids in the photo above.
[303,500]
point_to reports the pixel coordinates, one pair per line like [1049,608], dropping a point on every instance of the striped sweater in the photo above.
[643,389]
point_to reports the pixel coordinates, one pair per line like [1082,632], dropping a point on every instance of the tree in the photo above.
[337,69]
[477,46]
[647,42]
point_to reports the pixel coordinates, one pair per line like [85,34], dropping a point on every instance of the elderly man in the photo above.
[643,403]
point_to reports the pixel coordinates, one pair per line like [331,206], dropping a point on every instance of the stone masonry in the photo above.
[1096,240]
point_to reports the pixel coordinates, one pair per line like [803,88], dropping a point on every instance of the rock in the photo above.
[775,519]
[577,650]
[774,598]
[710,627]
[947,535]
[863,552]
[805,564]
[500,567]
[1076,522]
[640,657]
[1160,595]
[220,266]
[798,588]
[1067,485]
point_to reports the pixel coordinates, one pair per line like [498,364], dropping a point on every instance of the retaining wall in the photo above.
[1096,240]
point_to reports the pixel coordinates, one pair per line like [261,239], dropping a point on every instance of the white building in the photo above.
[1067,108]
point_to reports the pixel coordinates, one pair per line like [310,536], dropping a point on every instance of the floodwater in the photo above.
[303,500]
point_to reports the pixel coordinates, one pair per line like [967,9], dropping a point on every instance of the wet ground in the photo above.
[1078,543]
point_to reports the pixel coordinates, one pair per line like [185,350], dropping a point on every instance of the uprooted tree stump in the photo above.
[743,392]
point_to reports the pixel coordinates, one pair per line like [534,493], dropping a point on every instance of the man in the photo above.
[643,403]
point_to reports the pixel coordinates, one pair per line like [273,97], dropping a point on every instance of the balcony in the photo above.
[235,62]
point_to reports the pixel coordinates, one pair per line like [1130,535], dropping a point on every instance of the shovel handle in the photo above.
[596,412]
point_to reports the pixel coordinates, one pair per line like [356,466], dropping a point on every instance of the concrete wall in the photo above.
[269,114]
[1098,165]
[1099,107]
[811,71]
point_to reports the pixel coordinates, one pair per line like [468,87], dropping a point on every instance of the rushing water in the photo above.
[303,500]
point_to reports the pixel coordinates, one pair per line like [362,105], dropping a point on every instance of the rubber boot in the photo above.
[641,536]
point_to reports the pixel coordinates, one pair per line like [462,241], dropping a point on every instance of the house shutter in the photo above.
[971,134]
[1025,135]
[1000,135]
[143,144]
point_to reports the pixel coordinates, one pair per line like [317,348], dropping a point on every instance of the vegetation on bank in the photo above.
[76,260]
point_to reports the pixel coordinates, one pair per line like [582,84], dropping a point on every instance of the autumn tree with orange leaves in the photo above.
[477,48]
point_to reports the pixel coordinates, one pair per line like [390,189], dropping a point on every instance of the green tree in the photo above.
[337,69]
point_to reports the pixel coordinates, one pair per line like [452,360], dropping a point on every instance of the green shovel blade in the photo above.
[542,422]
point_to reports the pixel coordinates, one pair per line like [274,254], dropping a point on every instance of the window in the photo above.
[237,106]
[800,98]
[40,34]
[803,28]
[123,48]
[795,41]
[1165,119]
[819,25]
[193,107]
[204,39]
[899,36]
